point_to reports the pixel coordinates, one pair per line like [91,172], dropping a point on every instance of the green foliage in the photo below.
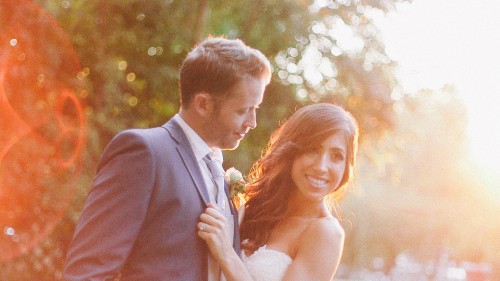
[130,52]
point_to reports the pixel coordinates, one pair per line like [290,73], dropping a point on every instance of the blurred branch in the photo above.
[201,21]
[252,17]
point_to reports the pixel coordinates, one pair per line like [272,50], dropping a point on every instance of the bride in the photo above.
[288,232]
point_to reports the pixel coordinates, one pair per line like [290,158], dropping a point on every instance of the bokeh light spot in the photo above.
[66,4]
[140,17]
[131,77]
[122,65]
[9,231]
[133,101]
[152,51]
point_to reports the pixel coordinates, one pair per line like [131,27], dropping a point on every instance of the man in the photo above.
[139,221]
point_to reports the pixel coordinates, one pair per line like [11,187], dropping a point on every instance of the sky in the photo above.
[453,41]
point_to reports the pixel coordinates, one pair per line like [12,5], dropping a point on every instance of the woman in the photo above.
[288,231]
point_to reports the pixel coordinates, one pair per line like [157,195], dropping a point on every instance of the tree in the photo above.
[130,51]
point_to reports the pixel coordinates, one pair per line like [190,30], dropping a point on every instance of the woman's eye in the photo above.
[338,157]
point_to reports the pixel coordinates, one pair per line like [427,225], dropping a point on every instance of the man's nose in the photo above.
[251,121]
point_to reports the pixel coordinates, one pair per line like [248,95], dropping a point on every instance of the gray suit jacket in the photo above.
[140,216]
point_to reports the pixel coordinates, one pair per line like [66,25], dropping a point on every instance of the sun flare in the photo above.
[434,46]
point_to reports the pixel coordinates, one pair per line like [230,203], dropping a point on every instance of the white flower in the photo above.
[233,175]
[236,182]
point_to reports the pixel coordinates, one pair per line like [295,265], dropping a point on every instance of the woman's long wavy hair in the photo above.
[270,181]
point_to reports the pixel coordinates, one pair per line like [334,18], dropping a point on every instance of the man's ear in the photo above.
[202,103]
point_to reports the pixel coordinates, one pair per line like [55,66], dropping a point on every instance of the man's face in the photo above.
[228,122]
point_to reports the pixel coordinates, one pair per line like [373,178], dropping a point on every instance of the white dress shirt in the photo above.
[201,149]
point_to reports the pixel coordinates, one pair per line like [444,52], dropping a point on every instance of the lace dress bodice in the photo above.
[267,265]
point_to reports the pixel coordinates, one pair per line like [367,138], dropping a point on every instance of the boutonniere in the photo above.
[237,185]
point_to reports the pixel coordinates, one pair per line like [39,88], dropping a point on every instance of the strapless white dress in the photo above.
[267,265]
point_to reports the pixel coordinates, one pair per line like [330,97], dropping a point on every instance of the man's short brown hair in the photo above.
[217,64]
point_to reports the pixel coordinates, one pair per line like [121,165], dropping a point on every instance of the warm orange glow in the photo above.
[72,129]
[12,127]
[435,46]
[42,126]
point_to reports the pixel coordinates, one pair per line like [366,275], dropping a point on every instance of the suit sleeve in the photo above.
[114,211]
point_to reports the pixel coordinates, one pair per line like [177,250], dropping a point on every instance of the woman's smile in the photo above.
[317,182]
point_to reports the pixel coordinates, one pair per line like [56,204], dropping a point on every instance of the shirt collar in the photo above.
[199,146]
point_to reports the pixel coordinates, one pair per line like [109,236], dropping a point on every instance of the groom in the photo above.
[139,220]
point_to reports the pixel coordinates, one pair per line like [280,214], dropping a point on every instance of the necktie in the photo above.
[217,172]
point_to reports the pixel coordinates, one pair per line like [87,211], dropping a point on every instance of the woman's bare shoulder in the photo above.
[324,230]
[319,250]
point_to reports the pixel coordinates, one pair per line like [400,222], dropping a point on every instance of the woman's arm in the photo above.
[318,252]
[214,230]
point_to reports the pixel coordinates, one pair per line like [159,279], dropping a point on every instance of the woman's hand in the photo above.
[214,230]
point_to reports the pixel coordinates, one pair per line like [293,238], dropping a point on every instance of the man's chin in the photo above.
[231,146]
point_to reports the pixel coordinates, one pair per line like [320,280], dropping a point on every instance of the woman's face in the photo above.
[319,171]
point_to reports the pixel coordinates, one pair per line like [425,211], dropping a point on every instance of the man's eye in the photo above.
[246,110]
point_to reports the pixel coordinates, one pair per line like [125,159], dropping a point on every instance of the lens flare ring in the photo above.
[42,126]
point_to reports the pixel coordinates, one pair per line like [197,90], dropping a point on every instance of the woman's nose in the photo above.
[321,162]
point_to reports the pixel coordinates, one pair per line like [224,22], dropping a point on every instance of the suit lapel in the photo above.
[189,160]
[191,164]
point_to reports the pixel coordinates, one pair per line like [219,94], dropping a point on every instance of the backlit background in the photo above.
[420,76]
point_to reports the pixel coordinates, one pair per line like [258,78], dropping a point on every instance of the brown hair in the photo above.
[217,64]
[270,180]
